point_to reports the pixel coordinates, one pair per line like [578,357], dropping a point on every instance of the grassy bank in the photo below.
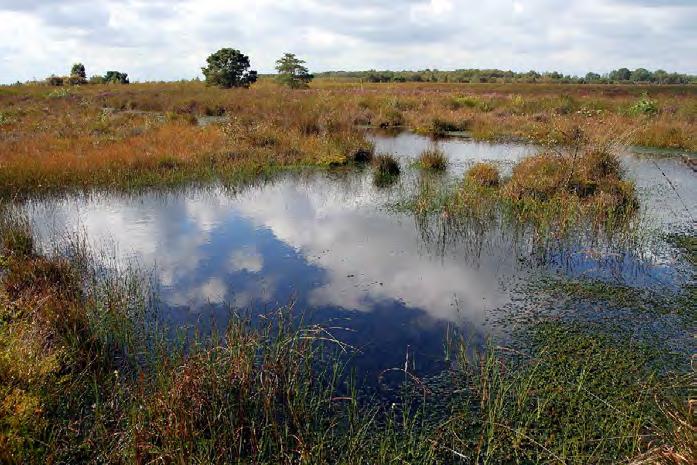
[86,376]
[148,134]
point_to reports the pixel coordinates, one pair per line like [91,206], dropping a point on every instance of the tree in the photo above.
[622,74]
[292,72]
[229,68]
[641,75]
[115,77]
[78,74]
[592,77]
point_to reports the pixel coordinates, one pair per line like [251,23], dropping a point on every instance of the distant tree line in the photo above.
[78,76]
[622,75]
[231,68]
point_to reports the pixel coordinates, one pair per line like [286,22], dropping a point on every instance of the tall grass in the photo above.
[145,134]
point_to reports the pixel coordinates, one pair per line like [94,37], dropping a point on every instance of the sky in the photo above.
[169,40]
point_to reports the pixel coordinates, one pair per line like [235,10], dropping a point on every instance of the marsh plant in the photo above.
[386,170]
[52,142]
[557,191]
[484,174]
[87,376]
[432,159]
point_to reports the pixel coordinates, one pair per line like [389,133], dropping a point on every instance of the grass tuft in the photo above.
[484,174]
[432,159]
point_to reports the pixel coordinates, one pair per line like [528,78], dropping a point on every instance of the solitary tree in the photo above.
[78,74]
[229,68]
[292,72]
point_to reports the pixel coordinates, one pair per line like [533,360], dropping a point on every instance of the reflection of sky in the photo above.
[316,241]
[324,242]
[461,154]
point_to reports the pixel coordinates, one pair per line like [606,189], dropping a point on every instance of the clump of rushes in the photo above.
[386,165]
[385,170]
[433,159]
[362,154]
[593,177]
[441,127]
[484,174]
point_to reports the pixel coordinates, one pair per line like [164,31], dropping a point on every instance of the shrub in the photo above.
[54,80]
[432,159]
[644,106]
[484,174]
[78,74]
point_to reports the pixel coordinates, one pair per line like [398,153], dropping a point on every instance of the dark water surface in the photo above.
[386,283]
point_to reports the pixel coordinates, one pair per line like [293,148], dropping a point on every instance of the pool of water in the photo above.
[326,242]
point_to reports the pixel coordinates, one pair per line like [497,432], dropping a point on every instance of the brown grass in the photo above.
[433,159]
[484,174]
[143,134]
[593,176]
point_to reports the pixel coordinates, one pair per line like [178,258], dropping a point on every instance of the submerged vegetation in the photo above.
[87,376]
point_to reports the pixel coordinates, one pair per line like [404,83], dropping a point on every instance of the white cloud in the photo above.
[170,40]
[246,259]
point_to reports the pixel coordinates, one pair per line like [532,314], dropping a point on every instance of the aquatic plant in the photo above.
[433,159]
[593,177]
[484,174]
[87,376]
[385,164]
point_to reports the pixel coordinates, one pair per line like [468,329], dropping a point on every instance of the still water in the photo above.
[328,242]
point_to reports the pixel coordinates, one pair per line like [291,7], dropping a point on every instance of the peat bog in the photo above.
[393,273]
